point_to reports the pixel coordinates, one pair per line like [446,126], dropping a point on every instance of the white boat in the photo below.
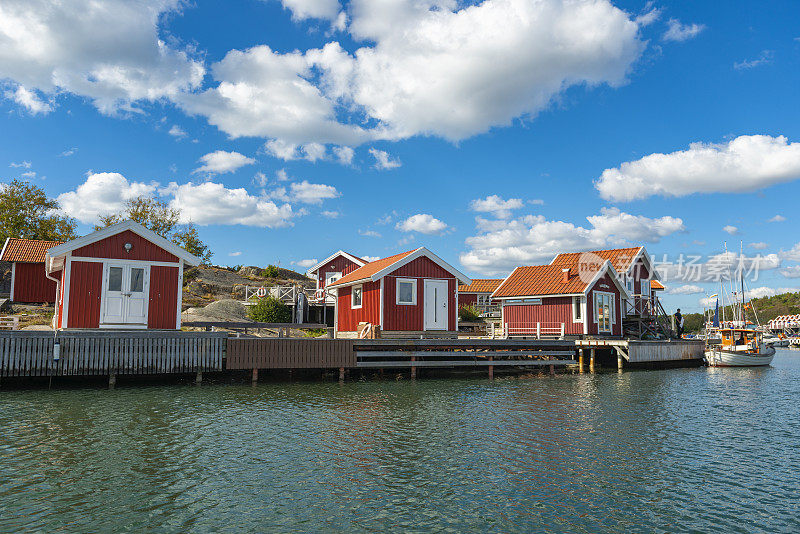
[755,353]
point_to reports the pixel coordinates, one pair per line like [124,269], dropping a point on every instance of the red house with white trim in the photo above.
[412,294]
[124,276]
[29,284]
[558,301]
[333,268]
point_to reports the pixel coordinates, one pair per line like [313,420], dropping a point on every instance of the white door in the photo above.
[436,304]
[125,297]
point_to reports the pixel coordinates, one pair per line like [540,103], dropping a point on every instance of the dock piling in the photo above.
[112,381]
[254,376]
[491,368]
[591,360]
[413,368]
[341,375]
[199,378]
[552,367]
[580,360]
[619,362]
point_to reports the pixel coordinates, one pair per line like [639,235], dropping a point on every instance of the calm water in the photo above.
[709,450]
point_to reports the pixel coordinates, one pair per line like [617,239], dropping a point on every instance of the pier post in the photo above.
[199,378]
[491,368]
[580,360]
[254,377]
[413,367]
[552,367]
[341,375]
[591,360]
[619,362]
[112,381]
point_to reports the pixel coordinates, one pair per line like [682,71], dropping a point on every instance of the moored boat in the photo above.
[740,347]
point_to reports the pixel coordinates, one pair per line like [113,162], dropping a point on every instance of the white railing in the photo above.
[537,330]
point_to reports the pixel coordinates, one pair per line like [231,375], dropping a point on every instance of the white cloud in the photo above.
[28,99]
[213,203]
[422,223]
[68,152]
[759,245]
[344,154]
[110,52]
[792,254]
[791,271]
[235,254]
[383,161]
[723,266]
[314,151]
[176,131]
[755,293]
[730,229]
[764,57]
[369,233]
[777,218]
[328,214]
[501,245]
[370,258]
[676,31]
[746,163]
[427,67]
[686,290]
[306,263]
[220,162]
[260,179]
[281,175]
[495,205]
[313,9]
[20,165]
[101,194]
[309,193]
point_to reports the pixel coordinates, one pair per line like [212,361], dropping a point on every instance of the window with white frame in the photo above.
[357,296]
[577,309]
[483,300]
[604,311]
[406,291]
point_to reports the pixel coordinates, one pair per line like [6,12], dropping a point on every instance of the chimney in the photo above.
[565,275]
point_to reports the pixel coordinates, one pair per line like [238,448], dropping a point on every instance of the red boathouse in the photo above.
[559,301]
[29,283]
[123,276]
[407,294]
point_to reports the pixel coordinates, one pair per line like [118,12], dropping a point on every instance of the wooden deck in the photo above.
[98,352]
[271,353]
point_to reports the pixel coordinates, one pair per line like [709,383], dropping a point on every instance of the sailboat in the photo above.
[736,343]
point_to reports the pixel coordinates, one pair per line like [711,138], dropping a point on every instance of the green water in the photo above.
[706,450]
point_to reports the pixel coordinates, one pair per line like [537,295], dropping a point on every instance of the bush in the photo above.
[270,310]
[468,314]
[271,271]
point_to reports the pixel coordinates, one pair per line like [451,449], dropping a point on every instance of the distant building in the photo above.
[29,283]
[123,276]
[406,294]
[478,293]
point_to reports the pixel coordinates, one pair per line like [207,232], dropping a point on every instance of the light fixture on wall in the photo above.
[128,247]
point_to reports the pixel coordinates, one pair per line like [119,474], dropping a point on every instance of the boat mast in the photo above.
[741,278]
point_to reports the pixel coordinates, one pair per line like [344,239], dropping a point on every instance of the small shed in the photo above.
[479,293]
[29,282]
[332,268]
[407,295]
[557,301]
[123,276]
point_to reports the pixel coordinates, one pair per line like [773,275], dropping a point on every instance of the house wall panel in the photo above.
[552,310]
[340,264]
[31,285]
[163,302]
[85,288]
[412,318]
[113,247]
[369,312]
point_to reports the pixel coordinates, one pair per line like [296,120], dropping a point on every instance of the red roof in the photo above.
[655,284]
[26,250]
[481,285]
[537,280]
[620,258]
[362,273]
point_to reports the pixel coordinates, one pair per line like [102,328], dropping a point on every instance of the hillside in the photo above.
[767,308]
[205,284]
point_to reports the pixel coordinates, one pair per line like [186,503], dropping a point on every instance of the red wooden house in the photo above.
[123,276]
[332,268]
[559,301]
[406,294]
[29,283]
[478,294]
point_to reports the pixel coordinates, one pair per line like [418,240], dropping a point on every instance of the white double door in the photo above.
[125,294]
[437,305]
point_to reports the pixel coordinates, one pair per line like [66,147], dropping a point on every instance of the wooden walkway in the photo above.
[98,352]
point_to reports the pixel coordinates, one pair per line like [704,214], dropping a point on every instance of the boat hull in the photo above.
[724,358]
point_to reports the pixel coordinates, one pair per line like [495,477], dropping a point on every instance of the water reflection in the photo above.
[697,449]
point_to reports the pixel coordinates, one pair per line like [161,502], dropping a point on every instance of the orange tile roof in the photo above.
[481,285]
[362,273]
[620,258]
[655,284]
[26,250]
[540,280]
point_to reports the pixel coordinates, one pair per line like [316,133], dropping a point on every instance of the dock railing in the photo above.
[539,330]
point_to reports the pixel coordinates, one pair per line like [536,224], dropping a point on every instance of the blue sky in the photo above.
[495,133]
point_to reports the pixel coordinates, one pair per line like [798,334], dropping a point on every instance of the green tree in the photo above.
[25,211]
[271,271]
[163,220]
[270,310]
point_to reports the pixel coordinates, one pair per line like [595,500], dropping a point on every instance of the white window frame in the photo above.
[360,288]
[611,310]
[413,282]
[581,306]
